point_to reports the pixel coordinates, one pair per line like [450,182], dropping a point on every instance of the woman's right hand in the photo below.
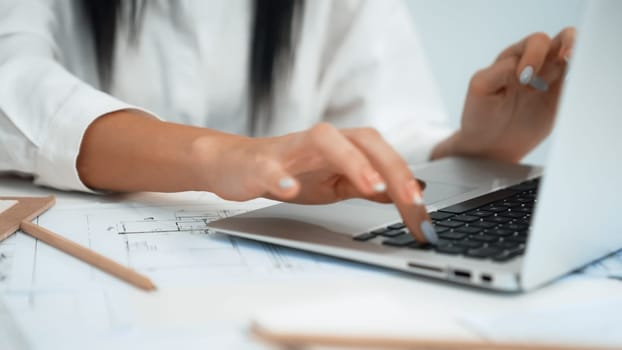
[317,166]
[129,151]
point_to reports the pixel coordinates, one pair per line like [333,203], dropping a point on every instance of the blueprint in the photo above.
[588,323]
[54,296]
[171,245]
[608,267]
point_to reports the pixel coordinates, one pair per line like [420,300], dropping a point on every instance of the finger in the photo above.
[273,178]
[536,49]
[559,54]
[343,155]
[563,41]
[518,49]
[551,73]
[346,190]
[553,70]
[563,44]
[495,77]
[401,185]
[532,52]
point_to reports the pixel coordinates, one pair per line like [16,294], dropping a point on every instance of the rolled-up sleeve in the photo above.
[375,73]
[44,108]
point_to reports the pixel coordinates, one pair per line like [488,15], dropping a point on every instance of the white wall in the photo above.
[462,36]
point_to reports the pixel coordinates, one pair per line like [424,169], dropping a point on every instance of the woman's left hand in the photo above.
[511,105]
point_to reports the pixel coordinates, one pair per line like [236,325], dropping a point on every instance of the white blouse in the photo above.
[357,63]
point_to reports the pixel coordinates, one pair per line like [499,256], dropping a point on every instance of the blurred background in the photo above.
[461,37]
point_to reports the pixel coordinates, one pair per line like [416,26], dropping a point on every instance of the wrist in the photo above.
[447,147]
[210,155]
[459,145]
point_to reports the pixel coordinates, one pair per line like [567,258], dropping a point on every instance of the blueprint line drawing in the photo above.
[172,245]
[62,296]
[51,294]
[183,221]
[6,255]
[608,267]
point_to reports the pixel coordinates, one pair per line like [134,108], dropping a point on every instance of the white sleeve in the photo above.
[44,109]
[377,75]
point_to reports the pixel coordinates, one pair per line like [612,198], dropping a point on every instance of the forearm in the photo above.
[131,151]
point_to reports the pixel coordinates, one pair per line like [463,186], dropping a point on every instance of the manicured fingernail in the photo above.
[428,232]
[286,183]
[417,199]
[374,179]
[380,187]
[539,84]
[526,75]
[565,55]
[412,192]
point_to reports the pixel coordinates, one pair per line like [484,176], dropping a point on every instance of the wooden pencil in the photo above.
[87,255]
[302,341]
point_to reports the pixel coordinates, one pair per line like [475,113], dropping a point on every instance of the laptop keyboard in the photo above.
[494,226]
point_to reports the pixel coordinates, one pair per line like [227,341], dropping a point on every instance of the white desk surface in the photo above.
[185,316]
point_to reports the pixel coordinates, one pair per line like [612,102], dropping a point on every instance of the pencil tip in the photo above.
[149,286]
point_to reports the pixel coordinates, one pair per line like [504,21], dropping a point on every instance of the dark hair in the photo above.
[275,26]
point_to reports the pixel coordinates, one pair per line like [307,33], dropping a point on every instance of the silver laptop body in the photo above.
[575,220]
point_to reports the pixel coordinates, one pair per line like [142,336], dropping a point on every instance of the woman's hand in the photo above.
[511,105]
[320,165]
[131,151]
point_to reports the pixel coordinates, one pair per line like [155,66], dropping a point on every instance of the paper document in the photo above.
[171,245]
[609,267]
[57,298]
[10,335]
[592,323]
[370,314]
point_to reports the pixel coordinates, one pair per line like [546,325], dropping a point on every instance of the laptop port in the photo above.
[486,278]
[462,274]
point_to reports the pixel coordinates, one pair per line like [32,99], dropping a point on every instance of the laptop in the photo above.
[505,227]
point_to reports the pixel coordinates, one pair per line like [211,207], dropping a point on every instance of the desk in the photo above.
[216,314]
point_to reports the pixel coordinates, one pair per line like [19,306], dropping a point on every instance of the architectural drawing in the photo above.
[48,290]
[42,286]
[172,245]
[6,255]
[609,267]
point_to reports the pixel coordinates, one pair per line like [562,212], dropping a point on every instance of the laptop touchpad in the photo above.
[438,191]
[434,192]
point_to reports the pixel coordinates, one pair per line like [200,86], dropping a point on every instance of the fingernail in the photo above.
[376,182]
[428,232]
[412,192]
[286,183]
[417,199]
[380,187]
[539,84]
[526,75]
[565,55]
